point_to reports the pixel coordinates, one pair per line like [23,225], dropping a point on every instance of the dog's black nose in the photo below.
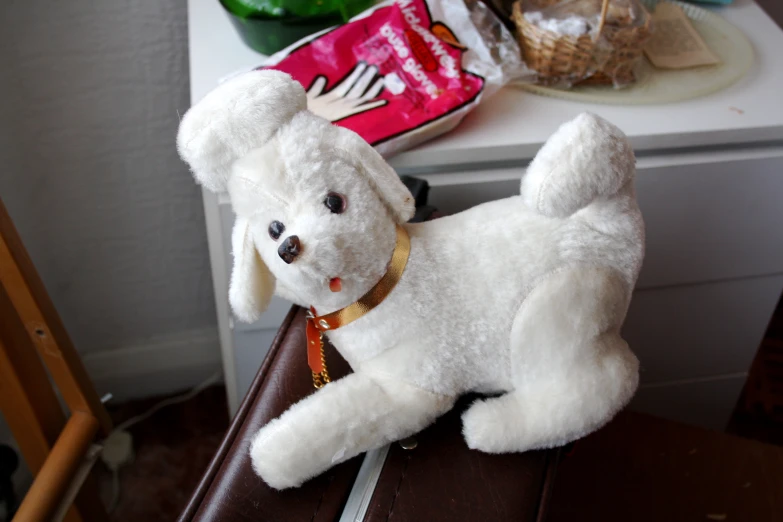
[289,249]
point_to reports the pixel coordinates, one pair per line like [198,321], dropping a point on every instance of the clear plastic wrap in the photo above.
[575,41]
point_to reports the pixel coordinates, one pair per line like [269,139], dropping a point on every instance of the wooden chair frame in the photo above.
[33,340]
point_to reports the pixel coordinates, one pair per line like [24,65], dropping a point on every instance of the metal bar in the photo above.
[364,486]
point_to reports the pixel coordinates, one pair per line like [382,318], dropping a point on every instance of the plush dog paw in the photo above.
[493,426]
[275,458]
[477,427]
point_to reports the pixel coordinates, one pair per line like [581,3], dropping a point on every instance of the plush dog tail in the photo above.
[586,159]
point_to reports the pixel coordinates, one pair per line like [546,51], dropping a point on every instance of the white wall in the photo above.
[90,91]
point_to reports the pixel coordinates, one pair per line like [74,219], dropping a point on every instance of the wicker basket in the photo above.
[607,58]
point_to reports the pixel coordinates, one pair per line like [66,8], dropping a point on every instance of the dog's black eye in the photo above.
[335,203]
[275,229]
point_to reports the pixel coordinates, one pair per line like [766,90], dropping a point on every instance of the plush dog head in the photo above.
[314,202]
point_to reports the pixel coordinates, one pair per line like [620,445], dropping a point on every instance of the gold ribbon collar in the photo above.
[316,325]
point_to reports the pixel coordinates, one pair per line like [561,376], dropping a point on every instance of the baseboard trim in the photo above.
[161,365]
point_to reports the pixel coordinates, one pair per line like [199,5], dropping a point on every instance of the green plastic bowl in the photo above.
[267,33]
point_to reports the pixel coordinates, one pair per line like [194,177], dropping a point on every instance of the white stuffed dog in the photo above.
[522,297]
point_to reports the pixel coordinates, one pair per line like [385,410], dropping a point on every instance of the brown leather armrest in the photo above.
[230,490]
[442,480]
[439,480]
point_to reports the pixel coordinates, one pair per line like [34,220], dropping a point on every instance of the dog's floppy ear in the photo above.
[238,116]
[381,176]
[252,284]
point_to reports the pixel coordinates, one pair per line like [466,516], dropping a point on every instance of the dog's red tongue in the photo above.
[335,284]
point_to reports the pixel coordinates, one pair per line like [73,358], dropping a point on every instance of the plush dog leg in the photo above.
[343,419]
[572,370]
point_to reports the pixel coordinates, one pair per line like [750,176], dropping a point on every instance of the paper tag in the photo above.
[675,43]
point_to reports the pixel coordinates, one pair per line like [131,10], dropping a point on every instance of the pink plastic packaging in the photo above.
[404,72]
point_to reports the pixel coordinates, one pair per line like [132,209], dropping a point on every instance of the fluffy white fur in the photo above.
[522,297]
[234,119]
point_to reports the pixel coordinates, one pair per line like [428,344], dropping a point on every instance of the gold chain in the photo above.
[321,379]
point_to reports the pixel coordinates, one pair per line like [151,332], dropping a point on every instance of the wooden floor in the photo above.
[173,448]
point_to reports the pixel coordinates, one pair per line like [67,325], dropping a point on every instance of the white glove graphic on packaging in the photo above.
[352,95]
